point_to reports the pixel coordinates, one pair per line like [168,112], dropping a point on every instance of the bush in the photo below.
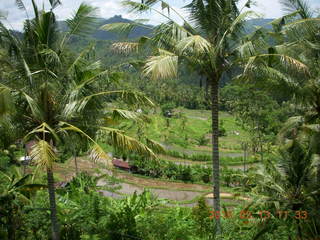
[167,109]
[203,140]
[4,161]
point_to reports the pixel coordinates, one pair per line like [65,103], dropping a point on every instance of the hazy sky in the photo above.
[109,8]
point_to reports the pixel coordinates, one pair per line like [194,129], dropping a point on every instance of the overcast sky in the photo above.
[109,8]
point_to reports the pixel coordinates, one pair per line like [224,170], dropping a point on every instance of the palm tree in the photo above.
[207,43]
[299,82]
[51,94]
[291,183]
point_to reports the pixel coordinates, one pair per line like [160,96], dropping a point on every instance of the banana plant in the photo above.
[16,190]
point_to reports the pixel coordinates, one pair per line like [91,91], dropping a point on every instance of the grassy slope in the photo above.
[198,124]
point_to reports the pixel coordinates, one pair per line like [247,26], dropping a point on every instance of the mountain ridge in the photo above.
[145,31]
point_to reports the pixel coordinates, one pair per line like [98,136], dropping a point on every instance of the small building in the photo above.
[121,164]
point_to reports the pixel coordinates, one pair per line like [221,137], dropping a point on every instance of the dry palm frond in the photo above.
[43,154]
[194,43]
[163,66]
[125,47]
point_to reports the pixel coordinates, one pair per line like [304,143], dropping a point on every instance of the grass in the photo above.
[198,124]
[185,139]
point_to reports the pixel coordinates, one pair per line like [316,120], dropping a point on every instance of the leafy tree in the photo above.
[256,112]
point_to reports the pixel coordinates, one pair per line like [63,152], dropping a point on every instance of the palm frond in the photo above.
[6,101]
[301,6]
[97,152]
[129,144]
[84,20]
[54,3]
[290,128]
[34,107]
[194,43]
[85,52]
[279,23]
[51,56]
[20,5]
[129,97]
[120,114]
[167,35]
[125,47]
[290,63]
[43,130]
[43,154]
[137,7]
[155,146]
[163,66]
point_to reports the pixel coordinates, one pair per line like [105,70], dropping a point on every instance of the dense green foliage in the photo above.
[60,90]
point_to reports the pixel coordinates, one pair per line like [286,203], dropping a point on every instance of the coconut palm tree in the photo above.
[207,43]
[53,95]
[297,38]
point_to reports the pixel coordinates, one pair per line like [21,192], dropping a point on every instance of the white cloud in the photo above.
[109,8]
[267,9]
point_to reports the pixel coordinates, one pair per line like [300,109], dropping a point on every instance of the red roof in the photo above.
[120,164]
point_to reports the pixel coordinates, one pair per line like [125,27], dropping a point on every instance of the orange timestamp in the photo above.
[263,214]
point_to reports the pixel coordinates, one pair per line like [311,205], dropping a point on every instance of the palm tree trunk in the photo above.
[215,151]
[53,208]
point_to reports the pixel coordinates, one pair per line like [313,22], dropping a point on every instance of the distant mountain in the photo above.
[143,31]
[259,22]
[104,35]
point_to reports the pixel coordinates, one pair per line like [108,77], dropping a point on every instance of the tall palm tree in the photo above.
[207,43]
[54,96]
